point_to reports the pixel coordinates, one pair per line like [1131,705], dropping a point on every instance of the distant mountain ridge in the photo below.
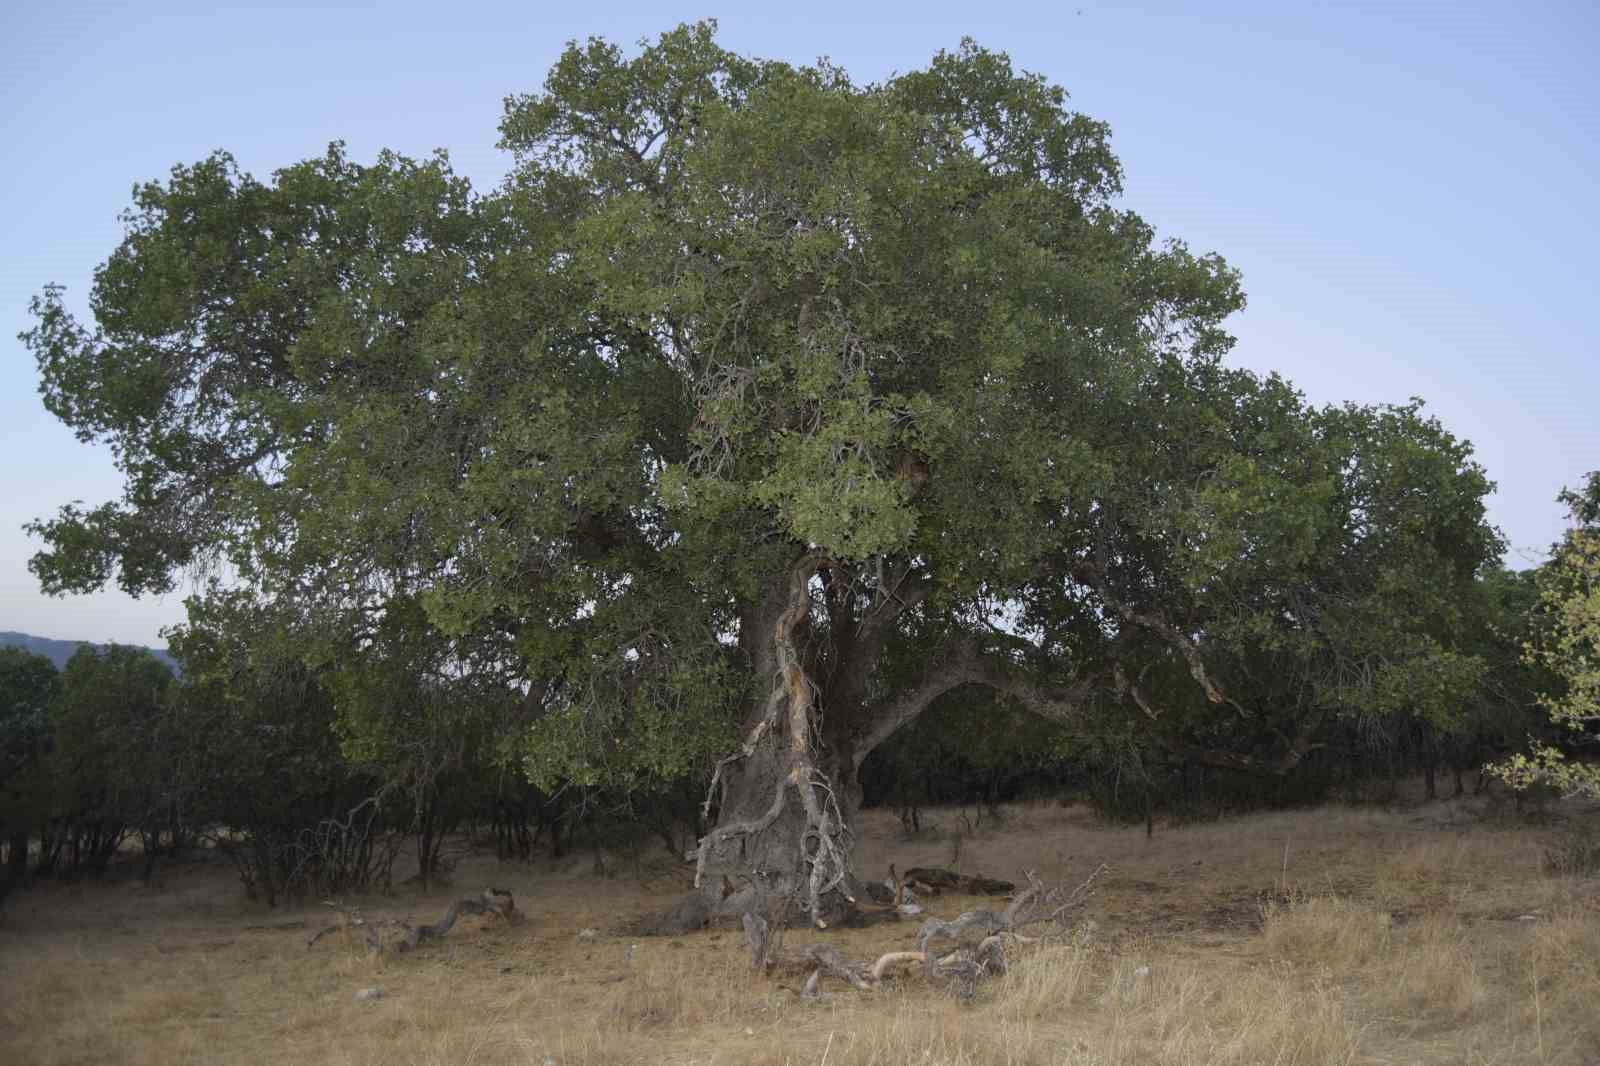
[59,651]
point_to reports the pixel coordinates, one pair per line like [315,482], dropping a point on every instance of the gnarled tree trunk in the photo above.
[786,799]
[782,837]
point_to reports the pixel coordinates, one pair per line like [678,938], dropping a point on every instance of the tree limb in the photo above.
[494,901]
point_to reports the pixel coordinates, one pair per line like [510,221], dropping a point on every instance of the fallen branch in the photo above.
[961,968]
[349,918]
[932,881]
[494,901]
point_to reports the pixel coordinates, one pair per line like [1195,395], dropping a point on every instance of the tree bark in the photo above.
[785,800]
[782,839]
[16,867]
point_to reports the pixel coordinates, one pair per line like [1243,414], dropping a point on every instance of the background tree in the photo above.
[1567,644]
[260,756]
[29,685]
[109,771]
[757,411]
[421,721]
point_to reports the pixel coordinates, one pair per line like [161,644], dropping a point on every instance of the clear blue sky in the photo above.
[1408,188]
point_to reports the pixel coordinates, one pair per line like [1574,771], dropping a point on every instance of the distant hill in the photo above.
[59,651]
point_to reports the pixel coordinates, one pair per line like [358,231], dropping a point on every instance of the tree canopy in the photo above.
[756,410]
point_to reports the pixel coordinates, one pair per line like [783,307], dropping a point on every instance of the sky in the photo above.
[1408,188]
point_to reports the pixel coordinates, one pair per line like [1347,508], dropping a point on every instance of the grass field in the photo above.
[1431,933]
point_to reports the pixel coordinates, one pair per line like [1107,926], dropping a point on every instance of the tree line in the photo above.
[316,775]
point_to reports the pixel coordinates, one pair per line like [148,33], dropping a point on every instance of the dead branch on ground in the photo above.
[960,969]
[496,902]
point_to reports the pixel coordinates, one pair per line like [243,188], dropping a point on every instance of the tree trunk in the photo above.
[766,869]
[782,841]
[428,841]
[16,868]
[786,799]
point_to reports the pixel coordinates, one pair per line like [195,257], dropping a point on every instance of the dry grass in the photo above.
[1424,935]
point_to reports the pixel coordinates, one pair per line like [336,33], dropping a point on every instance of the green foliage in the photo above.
[258,755]
[1567,645]
[108,771]
[29,687]
[538,460]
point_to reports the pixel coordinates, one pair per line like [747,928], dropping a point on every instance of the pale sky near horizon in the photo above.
[1408,188]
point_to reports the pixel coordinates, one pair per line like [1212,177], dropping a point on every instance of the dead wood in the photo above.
[350,918]
[494,901]
[816,959]
[960,970]
[894,958]
[986,922]
[932,881]
[867,917]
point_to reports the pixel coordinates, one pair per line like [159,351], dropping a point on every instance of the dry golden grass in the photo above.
[1335,936]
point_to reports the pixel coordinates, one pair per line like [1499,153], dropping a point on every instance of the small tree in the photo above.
[259,753]
[1568,645]
[419,719]
[110,768]
[28,686]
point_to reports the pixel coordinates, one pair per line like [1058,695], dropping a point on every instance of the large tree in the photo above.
[756,411]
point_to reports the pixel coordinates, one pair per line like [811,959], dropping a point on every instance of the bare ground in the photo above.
[1429,934]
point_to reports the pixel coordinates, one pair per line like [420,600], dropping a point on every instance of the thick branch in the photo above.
[1227,760]
[497,901]
[1093,574]
[857,645]
[953,665]
[961,662]
[1057,703]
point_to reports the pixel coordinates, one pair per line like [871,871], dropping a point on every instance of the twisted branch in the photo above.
[961,968]
[494,901]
